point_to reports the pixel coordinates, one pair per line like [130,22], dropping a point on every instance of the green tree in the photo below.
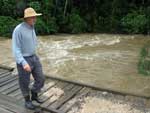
[135,22]
[7,25]
[8,7]
[77,16]
[119,9]
[76,24]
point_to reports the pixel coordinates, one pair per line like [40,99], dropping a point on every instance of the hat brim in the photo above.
[38,14]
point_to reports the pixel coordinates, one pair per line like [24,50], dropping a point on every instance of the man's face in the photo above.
[31,20]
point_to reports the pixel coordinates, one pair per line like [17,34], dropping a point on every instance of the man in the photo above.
[24,42]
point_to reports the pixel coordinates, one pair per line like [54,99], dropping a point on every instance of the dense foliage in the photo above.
[78,16]
[144,62]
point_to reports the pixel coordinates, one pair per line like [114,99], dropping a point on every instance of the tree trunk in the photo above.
[65,8]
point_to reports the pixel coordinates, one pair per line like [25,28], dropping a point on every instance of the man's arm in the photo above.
[16,46]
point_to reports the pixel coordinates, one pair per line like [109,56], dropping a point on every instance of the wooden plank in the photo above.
[50,99]
[1,70]
[68,87]
[4,74]
[14,107]
[15,93]
[47,86]
[7,86]
[7,98]
[8,81]
[11,90]
[68,105]
[19,109]
[6,78]
[123,93]
[6,67]
[47,100]
[9,102]
[19,97]
[46,92]
[51,110]
[66,97]
[2,110]
[18,94]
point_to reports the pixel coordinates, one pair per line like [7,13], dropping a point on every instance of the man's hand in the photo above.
[27,68]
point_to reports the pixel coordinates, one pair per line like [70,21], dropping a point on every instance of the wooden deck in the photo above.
[12,101]
[59,95]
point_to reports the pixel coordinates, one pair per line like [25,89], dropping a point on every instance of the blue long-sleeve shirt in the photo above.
[24,42]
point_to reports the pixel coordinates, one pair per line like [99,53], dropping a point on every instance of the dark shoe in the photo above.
[36,98]
[28,103]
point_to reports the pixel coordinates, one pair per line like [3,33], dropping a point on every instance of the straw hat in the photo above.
[30,12]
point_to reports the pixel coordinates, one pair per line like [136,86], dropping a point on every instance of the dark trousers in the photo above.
[37,73]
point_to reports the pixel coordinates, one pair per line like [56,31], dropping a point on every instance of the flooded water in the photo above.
[107,61]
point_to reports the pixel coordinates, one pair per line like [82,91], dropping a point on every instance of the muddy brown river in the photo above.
[103,60]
